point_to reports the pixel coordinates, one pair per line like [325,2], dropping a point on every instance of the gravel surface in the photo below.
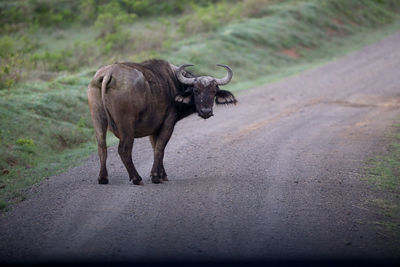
[275,177]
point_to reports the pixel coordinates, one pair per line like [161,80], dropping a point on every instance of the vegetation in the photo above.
[50,49]
[384,173]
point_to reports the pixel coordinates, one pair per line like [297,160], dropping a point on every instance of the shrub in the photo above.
[254,8]
[156,7]
[25,142]
[69,59]
[7,45]
[13,15]
[10,72]
[53,13]
[88,11]
[12,59]
[114,41]
[152,37]
[111,16]
[55,61]
[208,18]
[109,21]
[26,145]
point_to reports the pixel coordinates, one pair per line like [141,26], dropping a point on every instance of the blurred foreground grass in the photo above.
[383,172]
[45,122]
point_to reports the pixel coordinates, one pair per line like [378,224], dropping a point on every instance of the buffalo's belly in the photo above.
[142,132]
[146,126]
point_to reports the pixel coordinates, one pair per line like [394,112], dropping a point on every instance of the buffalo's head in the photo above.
[203,90]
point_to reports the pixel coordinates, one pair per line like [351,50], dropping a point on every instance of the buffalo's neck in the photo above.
[185,110]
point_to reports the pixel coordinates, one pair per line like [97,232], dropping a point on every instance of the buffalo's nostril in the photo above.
[206,111]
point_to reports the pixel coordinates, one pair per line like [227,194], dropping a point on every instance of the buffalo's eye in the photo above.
[195,90]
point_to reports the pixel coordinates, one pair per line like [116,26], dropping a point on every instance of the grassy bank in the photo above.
[45,122]
[253,36]
[383,172]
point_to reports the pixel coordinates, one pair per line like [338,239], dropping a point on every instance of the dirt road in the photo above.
[277,176]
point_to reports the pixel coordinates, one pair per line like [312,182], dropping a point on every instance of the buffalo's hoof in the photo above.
[156,180]
[137,182]
[165,178]
[103,180]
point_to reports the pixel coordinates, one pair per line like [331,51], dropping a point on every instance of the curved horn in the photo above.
[182,78]
[228,76]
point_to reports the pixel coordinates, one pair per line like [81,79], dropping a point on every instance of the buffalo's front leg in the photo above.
[159,141]
[125,152]
[158,173]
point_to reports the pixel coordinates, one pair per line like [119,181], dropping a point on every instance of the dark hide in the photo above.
[134,100]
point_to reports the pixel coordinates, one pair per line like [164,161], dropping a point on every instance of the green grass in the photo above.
[326,52]
[256,47]
[44,128]
[44,114]
[383,172]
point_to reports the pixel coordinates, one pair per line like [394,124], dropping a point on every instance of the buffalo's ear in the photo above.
[184,97]
[224,97]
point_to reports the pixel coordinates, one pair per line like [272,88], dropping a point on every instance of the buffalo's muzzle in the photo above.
[206,113]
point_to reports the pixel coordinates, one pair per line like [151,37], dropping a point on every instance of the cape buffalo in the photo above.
[135,100]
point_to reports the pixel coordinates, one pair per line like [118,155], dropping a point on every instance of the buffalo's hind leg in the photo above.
[99,120]
[102,150]
[125,152]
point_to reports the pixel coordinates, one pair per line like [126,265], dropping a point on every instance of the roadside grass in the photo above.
[46,128]
[255,37]
[45,121]
[383,173]
[326,52]
[42,125]
[289,35]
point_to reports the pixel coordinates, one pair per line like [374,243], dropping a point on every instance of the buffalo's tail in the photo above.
[104,83]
